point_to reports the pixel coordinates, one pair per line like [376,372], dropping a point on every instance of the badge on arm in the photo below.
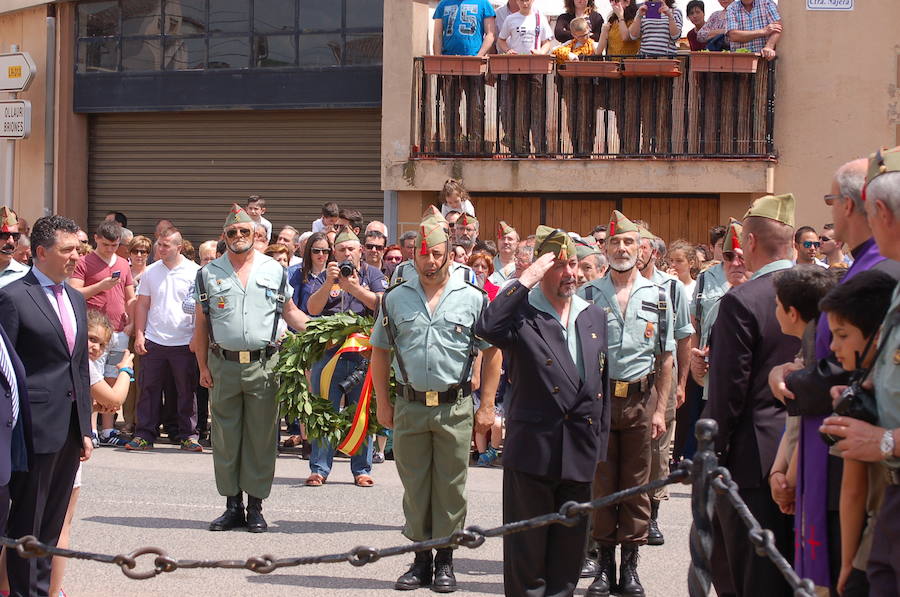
[648,333]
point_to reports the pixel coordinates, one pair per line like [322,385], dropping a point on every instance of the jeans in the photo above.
[322,454]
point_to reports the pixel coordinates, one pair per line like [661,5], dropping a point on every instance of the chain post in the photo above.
[702,504]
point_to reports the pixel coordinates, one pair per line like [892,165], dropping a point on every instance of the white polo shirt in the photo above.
[167,323]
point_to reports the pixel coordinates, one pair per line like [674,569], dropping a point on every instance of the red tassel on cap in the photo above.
[423,250]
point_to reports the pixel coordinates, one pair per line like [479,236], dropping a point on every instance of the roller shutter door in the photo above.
[190,166]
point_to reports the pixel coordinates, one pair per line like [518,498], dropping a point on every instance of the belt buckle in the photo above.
[431,398]
[621,389]
[243,357]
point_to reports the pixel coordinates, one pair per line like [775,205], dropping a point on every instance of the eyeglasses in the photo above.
[831,198]
[730,256]
[824,239]
[373,247]
[808,244]
[316,251]
[7,235]
[139,252]
[236,231]
[397,258]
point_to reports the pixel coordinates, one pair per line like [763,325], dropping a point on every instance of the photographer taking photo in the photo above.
[350,286]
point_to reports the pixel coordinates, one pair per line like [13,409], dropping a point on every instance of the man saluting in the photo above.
[558,414]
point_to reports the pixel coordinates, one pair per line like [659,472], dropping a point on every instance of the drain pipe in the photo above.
[50,113]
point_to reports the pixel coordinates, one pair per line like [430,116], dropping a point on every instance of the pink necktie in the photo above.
[64,316]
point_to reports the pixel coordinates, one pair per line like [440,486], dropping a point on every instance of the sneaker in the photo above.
[191,445]
[138,443]
[113,440]
[95,439]
[487,458]
[378,458]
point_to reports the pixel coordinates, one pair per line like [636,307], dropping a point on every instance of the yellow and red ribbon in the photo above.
[356,436]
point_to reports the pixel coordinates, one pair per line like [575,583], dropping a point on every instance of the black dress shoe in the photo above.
[255,521]
[605,582]
[418,575]
[444,579]
[233,517]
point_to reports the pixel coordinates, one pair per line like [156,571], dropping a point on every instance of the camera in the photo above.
[355,378]
[346,268]
[856,403]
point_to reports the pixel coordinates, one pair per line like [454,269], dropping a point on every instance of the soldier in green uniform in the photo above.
[429,322]
[641,343]
[241,295]
[652,249]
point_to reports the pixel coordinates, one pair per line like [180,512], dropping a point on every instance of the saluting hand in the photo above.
[535,272]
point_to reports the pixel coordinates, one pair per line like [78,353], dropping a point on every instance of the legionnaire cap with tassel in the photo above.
[553,240]
[237,215]
[619,224]
[775,207]
[433,230]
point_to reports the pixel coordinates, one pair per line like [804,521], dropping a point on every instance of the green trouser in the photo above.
[245,429]
[431,450]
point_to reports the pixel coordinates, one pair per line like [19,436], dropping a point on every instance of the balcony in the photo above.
[691,111]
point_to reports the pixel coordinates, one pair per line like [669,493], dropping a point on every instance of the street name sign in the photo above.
[17,69]
[829,4]
[15,119]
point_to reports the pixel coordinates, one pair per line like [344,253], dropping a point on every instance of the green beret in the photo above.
[237,215]
[433,230]
[619,224]
[346,234]
[883,161]
[554,240]
[775,207]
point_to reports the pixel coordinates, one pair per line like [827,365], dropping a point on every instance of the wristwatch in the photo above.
[887,444]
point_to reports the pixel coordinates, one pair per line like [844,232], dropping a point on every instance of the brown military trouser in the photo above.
[627,465]
[661,447]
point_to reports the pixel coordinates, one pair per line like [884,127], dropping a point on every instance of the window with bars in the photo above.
[177,35]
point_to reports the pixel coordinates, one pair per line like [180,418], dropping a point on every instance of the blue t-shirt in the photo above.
[463,25]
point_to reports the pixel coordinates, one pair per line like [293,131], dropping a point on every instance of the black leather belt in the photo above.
[894,476]
[433,398]
[624,389]
[245,356]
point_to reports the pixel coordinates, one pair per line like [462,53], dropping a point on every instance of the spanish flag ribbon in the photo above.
[355,343]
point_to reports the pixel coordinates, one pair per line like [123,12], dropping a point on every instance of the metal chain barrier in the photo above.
[703,472]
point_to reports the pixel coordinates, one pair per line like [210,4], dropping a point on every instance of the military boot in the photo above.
[444,579]
[418,575]
[605,582]
[629,583]
[654,535]
[233,517]
[255,521]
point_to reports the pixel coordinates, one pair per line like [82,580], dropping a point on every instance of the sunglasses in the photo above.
[373,247]
[234,232]
[7,235]
[398,259]
[139,252]
[316,251]
[824,239]
[730,255]
[830,199]
[808,244]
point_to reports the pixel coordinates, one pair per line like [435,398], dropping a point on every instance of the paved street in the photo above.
[166,497]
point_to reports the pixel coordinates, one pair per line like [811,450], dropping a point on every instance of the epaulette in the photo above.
[476,287]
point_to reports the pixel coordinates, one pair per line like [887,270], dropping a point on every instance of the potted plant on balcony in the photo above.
[520,64]
[651,67]
[739,61]
[590,68]
[469,66]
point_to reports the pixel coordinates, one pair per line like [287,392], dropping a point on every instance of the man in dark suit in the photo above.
[557,415]
[15,421]
[47,324]
[746,343]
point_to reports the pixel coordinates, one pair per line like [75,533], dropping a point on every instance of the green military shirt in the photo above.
[886,372]
[633,338]
[434,346]
[675,291]
[714,286]
[242,318]
[537,300]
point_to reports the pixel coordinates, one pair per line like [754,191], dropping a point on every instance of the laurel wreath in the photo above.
[299,352]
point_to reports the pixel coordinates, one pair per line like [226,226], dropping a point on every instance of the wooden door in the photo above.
[522,213]
[673,218]
[579,215]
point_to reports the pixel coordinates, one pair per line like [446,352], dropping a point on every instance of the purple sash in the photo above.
[811,519]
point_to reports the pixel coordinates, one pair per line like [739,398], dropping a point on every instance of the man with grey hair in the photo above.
[378,226]
[162,334]
[290,238]
[407,244]
[881,442]
[124,240]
